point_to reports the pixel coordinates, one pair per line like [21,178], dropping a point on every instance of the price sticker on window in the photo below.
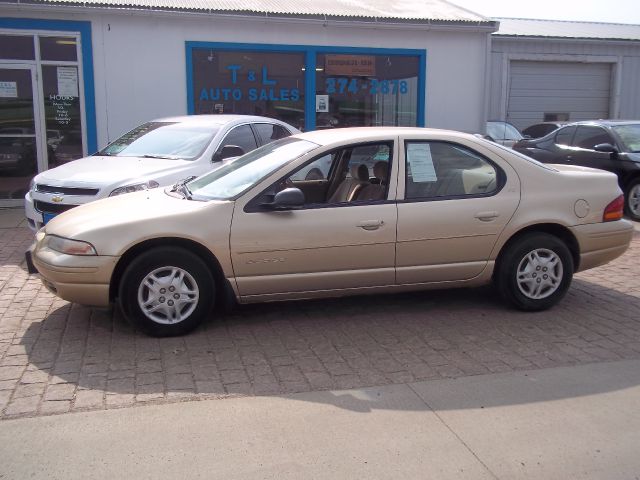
[421,162]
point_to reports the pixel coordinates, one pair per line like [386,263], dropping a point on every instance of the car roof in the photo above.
[218,119]
[364,134]
[606,123]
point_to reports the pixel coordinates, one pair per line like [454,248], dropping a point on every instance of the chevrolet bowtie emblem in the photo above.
[57,199]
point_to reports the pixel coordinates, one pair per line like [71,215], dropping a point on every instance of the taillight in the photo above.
[613,211]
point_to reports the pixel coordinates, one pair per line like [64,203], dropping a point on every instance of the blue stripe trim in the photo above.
[84,28]
[310,69]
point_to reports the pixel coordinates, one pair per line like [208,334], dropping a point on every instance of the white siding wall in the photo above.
[140,70]
[624,58]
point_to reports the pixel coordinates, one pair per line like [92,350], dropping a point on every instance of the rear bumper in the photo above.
[602,242]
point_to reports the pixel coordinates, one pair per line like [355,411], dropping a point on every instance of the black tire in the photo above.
[177,273]
[521,277]
[632,200]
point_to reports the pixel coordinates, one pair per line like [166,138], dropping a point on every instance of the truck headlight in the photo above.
[68,246]
[136,187]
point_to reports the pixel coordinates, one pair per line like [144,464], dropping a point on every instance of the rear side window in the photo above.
[565,135]
[439,169]
[268,132]
[588,137]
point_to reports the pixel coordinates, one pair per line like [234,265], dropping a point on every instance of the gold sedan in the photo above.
[338,212]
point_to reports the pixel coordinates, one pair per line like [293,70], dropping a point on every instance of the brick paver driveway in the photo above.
[57,357]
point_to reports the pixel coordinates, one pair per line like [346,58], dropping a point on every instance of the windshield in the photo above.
[163,140]
[629,135]
[234,178]
[503,131]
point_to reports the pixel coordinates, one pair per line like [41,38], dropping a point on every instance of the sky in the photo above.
[608,11]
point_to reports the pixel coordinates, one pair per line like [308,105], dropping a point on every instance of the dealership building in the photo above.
[75,75]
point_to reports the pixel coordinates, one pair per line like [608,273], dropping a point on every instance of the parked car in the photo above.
[157,153]
[611,145]
[503,133]
[538,130]
[17,156]
[437,209]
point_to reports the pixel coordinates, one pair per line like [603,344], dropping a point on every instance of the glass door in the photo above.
[20,154]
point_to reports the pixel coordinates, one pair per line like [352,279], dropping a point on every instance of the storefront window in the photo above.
[366,90]
[58,49]
[17,47]
[62,114]
[308,87]
[270,84]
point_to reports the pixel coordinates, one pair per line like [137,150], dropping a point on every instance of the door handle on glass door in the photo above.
[370,224]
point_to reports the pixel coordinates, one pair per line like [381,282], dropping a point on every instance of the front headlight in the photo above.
[68,246]
[136,187]
[32,185]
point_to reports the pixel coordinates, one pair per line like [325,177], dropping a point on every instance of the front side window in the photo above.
[630,136]
[588,137]
[241,136]
[162,140]
[442,170]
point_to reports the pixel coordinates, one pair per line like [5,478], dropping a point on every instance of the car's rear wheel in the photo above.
[632,200]
[535,272]
[167,291]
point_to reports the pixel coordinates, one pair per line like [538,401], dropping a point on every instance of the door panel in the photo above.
[313,249]
[449,233]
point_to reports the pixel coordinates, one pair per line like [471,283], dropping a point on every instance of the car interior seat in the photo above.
[350,186]
[375,191]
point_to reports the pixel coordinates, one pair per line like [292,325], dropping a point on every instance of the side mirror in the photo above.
[227,151]
[287,199]
[605,148]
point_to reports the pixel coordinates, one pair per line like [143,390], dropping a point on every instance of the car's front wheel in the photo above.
[632,200]
[167,291]
[535,272]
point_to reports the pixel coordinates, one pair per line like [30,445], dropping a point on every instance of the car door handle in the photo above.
[486,216]
[370,224]
[569,157]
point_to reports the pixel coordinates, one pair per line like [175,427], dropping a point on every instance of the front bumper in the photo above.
[601,243]
[80,279]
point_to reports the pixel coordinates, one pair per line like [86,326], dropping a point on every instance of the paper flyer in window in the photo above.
[67,81]
[421,162]
[8,90]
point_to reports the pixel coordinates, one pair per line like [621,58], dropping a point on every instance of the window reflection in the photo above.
[366,90]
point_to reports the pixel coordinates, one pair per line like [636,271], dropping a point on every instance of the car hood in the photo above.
[113,224]
[100,170]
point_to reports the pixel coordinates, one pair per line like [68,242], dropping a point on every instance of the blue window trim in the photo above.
[84,28]
[310,52]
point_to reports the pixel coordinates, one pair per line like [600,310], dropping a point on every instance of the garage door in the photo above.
[542,91]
